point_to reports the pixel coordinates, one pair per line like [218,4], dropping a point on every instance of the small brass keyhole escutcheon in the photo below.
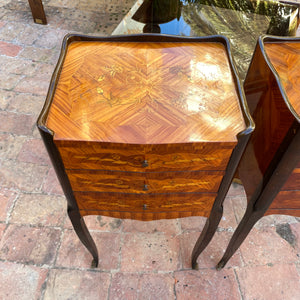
[145,164]
[144,206]
[145,187]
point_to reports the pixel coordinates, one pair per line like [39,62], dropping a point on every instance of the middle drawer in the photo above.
[145,182]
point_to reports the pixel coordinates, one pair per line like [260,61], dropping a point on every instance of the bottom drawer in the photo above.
[149,203]
[286,200]
[145,216]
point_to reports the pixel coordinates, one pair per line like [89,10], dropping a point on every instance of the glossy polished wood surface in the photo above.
[142,158]
[144,183]
[285,58]
[146,93]
[272,92]
[145,207]
[272,118]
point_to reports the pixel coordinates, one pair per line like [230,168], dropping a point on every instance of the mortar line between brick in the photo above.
[174,286]
[59,246]
[8,216]
[122,235]
[109,287]
[44,285]
[239,285]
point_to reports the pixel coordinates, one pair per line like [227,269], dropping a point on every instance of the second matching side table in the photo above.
[145,127]
[270,166]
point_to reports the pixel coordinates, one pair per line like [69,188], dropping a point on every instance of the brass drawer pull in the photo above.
[145,187]
[144,206]
[145,164]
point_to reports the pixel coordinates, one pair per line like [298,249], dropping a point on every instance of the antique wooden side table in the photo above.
[270,166]
[145,127]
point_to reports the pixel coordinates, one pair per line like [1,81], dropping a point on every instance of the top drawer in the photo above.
[141,158]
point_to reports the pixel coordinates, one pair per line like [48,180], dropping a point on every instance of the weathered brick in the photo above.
[150,252]
[170,227]
[34,151]
[16,123]
[77,285]
[207,284]
[73,253]
[30,245]
[211,254]
[26,103]
[8,80]
[39,210]
[2,229]
[23,176]
[51,184]
[21,282]
[5,98]
[9,49]
[99,223]
[276,282]
[262,247]
[10,145]
[142,286]
[37,85]
[7,198]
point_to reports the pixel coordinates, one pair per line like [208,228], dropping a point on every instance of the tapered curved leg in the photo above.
[207,233]
[84,235]
[250,218]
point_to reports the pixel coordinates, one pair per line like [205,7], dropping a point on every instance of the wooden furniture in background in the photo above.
[270,166]
[37,10]
[145,127]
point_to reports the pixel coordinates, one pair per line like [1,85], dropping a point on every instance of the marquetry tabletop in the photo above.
[146,93]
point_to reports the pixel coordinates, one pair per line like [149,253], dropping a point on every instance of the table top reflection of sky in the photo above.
[176,27]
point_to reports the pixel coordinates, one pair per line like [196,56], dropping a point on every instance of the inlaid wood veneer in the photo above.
[270,166]
[145,127]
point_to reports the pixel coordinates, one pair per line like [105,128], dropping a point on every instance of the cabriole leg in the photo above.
[245,226]
[84,235]
[207,233]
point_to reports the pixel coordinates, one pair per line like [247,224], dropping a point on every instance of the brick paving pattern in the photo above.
[40,255]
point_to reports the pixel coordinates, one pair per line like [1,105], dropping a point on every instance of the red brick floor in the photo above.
[40,255]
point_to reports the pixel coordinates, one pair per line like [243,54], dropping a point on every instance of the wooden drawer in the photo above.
[147,182]
[293,182]
[286,200]
[145,203]
[145,216]
[138,158]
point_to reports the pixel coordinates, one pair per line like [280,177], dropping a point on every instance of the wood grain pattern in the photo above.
[293,182]
[288,212]
[285,58]
[146,93]
[286,200]
[146,203]
[124,157]
[145,216]
[272,118]
[144,183]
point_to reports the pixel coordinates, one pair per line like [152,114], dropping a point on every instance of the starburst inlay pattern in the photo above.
[146,93]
